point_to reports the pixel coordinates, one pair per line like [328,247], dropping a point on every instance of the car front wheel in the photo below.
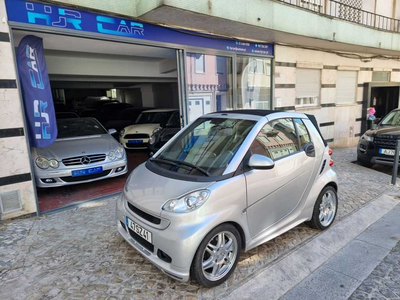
[325,209]
[217,256]
[364,163]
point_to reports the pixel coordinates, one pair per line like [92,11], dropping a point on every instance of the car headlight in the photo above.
[188,202]
[112,155]
[119,153]
[54,163]
[122,132]
[153,138]
[367,137]
[42,163]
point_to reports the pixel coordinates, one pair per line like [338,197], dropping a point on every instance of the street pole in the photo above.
[396,162]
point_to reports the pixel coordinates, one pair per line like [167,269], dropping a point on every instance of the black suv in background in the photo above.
[377,145]
[164,134]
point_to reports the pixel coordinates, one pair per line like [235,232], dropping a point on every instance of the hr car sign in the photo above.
[36,92]
[59,17]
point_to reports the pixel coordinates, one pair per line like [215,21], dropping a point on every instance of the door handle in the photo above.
[309,149]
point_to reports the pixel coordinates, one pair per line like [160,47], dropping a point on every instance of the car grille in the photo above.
[144,215]
[85,177]
[136,136]
[77,160]
[141,240]
[385,141]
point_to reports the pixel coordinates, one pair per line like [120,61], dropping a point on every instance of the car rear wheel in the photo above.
[217,256]
[325,209]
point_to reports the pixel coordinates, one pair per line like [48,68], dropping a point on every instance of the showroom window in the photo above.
[253,82]
[276,139]
[308,85]
[346,87]
[199,63]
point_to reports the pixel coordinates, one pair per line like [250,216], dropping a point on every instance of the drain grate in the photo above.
[10,201]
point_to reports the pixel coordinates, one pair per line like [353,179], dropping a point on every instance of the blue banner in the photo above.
[59,17]
[36,92]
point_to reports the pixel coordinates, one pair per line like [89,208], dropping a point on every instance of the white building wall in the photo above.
[340,123]
[15,170]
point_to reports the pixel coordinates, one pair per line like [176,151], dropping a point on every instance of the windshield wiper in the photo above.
[173,162]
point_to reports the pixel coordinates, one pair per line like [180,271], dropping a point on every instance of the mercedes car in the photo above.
[83,152]
[224,184]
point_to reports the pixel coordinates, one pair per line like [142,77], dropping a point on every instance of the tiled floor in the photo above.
[53,198]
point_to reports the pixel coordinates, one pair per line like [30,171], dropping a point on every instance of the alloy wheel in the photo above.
[327,208]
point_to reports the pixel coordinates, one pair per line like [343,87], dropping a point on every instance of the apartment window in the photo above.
[221,65]
[380,76]
[199,63]
[308,85]
[346,87]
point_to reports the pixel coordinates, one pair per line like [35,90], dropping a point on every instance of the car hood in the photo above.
[72,147]
[149,191]
[142,128]
[385,130]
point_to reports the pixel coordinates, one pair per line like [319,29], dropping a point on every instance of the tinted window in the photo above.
[277,139]
[174,120]
[153,117]
[68,128]
[302,131]
[209,144]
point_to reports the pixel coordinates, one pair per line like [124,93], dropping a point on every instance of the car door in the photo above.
[275,193]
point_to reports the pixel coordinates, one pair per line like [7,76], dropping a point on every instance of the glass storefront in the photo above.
[209,81]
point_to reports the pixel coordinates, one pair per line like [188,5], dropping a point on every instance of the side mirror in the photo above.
[261,162]
[377,120]
[112,131]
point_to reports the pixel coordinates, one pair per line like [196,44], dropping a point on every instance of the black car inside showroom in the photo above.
[100,88]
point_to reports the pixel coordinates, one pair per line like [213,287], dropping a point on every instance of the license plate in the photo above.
[135,142]
[386,152]
[139,230]
[89,171]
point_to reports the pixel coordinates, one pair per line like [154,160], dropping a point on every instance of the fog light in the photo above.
[164,256]
[48,180]
[119,169]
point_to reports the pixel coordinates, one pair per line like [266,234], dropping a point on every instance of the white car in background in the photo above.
[137,136]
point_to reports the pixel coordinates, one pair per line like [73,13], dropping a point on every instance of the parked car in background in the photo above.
[124,118]
[93,104]
[137,136]
[165,133]
[66,115]
[377,146]
[224,184]
[83,152]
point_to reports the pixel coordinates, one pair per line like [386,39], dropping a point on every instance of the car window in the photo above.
[302,132]
[276,139]
[392,119]
[70,128]
[174,120]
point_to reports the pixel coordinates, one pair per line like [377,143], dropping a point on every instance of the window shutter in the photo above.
[346,87]
[307,83]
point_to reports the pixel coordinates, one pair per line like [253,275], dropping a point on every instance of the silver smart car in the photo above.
[226,183]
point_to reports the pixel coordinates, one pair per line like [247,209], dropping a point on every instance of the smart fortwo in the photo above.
[227,183]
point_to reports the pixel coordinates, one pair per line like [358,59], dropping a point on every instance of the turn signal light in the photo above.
[331,163]
[330,152]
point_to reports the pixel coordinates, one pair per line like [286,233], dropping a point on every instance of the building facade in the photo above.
[333,59]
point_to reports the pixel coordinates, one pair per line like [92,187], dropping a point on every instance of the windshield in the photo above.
[206,147]
[68,128]
[392,119]
[174,120]
[153,117]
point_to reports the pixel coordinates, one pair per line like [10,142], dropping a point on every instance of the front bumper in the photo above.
[168,239]
[63,177]
[369,152]
[139,143]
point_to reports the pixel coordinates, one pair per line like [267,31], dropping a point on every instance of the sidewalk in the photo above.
[352,258]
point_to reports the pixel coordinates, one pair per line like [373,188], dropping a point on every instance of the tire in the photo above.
[205,253]
[364,163]
[327,218]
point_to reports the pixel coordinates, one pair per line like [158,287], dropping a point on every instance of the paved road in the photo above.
[78,253]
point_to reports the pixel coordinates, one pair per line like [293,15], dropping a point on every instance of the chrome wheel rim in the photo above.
[327,208]
[219,256]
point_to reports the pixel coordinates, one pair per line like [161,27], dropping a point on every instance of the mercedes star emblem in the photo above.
[85,160]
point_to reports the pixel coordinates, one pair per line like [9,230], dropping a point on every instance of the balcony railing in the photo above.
[339,10]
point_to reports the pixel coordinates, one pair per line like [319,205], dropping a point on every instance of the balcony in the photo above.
[338,10]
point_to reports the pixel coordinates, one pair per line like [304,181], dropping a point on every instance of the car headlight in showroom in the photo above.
[367,137]
[45,163]
[153,136]
[188,202]
[116,154]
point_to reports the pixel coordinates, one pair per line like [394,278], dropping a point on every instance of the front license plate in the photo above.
[139,230]
[386,152]
[87,171]
[135,142]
